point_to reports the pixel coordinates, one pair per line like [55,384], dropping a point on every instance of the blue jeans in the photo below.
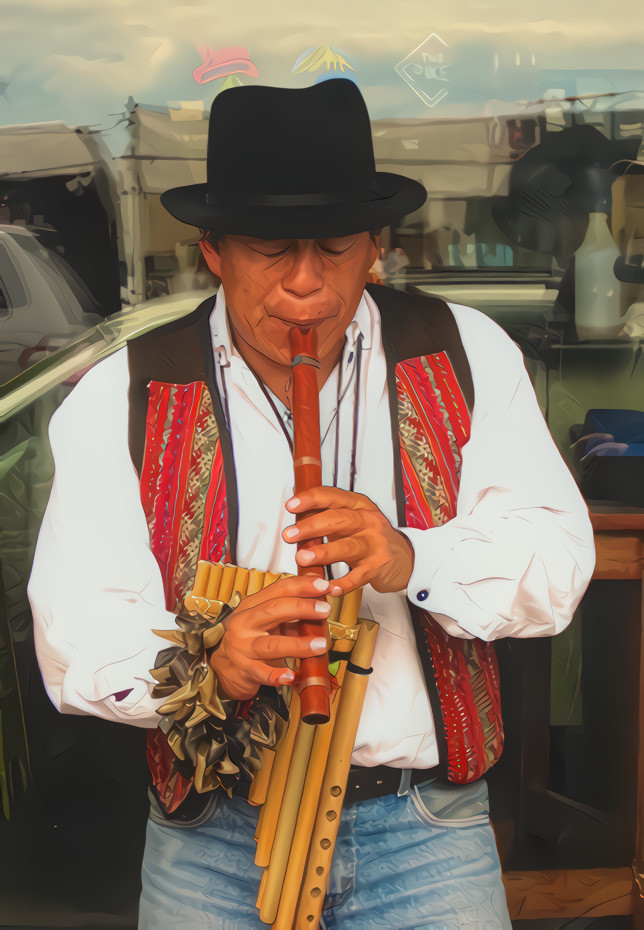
[426,859]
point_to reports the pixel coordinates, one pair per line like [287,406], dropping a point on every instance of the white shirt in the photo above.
[514,561]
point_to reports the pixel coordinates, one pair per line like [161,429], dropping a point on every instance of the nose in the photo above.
[305,276]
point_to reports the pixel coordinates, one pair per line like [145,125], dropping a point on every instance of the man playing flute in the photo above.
[443,496]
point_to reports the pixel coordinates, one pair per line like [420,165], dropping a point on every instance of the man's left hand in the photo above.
[357,533]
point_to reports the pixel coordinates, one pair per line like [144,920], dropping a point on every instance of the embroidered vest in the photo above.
[191,508]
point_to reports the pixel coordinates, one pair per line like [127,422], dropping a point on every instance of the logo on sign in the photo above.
[425,70]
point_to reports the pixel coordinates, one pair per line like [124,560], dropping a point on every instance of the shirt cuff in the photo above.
[94,687]
[457,579]
[421,590]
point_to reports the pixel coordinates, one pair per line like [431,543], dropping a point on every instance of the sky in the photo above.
[78,61]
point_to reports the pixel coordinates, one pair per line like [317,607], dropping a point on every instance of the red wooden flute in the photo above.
[313,681]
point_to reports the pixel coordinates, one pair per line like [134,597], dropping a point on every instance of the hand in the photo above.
[251,653]
[358,534]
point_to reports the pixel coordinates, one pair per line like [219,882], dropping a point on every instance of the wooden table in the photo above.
[619,543]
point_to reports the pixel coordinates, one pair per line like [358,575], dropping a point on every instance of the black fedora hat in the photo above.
[293,163]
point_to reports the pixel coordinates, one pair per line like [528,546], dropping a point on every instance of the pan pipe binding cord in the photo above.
[301,784]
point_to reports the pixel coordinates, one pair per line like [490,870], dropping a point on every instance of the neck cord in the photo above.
[340,397]
[356,405]
[279,416]
[224,391]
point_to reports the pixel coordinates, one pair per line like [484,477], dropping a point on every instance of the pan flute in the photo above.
[301,784]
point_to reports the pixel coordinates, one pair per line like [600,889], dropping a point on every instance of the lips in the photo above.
[303,315]
[299,321]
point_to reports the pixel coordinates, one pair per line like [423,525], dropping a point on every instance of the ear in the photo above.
[376,242]
[212,257]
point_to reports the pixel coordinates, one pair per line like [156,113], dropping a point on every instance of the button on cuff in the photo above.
[422,595]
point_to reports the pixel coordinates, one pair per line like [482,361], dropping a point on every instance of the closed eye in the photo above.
[337,246]
[272,254]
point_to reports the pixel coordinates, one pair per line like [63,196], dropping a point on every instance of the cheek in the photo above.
[349,279]
[245,289]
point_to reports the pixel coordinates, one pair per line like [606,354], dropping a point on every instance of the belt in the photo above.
[372,782]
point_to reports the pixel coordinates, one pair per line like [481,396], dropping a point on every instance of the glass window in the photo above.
[10,282]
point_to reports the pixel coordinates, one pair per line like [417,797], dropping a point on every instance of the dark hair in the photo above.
[214,239]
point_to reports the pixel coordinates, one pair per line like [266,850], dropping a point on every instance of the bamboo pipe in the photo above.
[255,581]
[200,586]
[346,610]
[258,793]
[240,584]
[226,583]
[306,816]
[280,761]
[269,813]
[334,784]
[259,786]
[214,579]
[274,875]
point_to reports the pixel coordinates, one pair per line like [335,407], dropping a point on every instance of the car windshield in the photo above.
[57,266]
[11,287]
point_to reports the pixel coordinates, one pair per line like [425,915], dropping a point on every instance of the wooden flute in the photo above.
[313,682]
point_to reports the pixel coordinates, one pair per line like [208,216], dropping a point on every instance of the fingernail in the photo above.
[294,502]
[305,556]
[321,607]
[321,584]
[335,591]
[287,677]
[318,644]
[291,532]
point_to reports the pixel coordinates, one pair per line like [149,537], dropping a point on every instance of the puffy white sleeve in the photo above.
[519,553]
[95,588]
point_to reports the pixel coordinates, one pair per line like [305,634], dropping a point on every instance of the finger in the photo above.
[289,647]
[245,686]
[352,580]
[271,613]
[349,549]
[323,497]
[293,586]
[333,522]
[264,674]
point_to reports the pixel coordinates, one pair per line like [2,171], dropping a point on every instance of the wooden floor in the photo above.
[578,923]
[544,894]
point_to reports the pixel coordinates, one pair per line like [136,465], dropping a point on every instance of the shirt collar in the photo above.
[224,349]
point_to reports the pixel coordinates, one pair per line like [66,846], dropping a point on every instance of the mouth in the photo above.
[303,318]
[305,313]
[299,323]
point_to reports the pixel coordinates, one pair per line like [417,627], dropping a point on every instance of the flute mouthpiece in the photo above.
[303,341]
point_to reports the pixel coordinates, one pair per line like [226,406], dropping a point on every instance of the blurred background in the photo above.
[526,126]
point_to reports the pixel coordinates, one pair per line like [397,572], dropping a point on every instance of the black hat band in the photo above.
[320,198]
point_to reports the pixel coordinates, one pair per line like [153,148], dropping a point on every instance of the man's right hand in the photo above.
[252,651]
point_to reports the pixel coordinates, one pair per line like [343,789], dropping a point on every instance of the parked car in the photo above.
[43,302]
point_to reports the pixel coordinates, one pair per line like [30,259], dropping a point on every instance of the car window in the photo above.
[10,283]
[28,243]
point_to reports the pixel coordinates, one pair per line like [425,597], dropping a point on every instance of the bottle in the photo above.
[597,291]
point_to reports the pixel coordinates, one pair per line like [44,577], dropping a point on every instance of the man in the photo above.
[443,495]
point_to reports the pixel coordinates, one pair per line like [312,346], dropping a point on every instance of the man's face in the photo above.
[271,285]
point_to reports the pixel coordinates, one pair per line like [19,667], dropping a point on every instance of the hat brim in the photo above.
[394,197]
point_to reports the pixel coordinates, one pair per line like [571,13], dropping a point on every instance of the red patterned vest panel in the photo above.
[183,491]
[434,425]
